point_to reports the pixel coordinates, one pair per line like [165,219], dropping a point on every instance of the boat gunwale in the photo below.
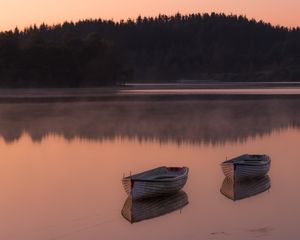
[246,164]
[173,179]
[235,161]
[159,180]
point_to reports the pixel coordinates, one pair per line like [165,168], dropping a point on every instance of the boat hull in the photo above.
[145,189]
[137,188]
[239,170]
[142,189]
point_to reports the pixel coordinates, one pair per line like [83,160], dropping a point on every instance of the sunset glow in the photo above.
[24,13]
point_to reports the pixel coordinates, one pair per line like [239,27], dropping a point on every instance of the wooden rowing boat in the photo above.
[138,210]
[237,190]
[156,182]
[246,166]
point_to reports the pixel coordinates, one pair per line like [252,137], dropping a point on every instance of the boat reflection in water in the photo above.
[138,210]
[237,190]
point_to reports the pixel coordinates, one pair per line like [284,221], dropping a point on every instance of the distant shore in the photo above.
[154,91]
[186,84]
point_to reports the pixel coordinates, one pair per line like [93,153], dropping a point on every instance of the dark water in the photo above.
[61,166]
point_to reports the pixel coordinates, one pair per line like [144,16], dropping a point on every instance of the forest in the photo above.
[195,47]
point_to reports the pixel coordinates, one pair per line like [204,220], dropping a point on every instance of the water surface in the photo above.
[61,166]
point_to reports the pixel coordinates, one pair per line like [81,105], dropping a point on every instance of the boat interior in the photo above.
[160,173]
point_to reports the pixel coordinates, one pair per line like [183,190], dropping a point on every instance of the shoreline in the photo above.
[212,85]
[151,91]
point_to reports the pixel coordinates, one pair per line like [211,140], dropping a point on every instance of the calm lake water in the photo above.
[61,167]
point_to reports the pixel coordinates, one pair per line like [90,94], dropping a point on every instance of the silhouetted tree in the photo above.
[163,48]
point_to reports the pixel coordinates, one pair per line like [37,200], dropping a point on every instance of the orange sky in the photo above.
[23,13]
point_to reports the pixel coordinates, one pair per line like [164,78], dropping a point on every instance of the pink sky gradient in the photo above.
[24,13]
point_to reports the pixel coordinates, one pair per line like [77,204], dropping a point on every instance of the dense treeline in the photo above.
[164,48]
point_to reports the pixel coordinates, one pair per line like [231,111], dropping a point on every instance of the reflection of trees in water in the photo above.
[215,121]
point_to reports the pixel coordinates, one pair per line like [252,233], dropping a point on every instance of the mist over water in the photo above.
[61,166]
[191,121]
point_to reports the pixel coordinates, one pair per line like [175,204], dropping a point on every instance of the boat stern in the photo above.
[127,185]
[228,170]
